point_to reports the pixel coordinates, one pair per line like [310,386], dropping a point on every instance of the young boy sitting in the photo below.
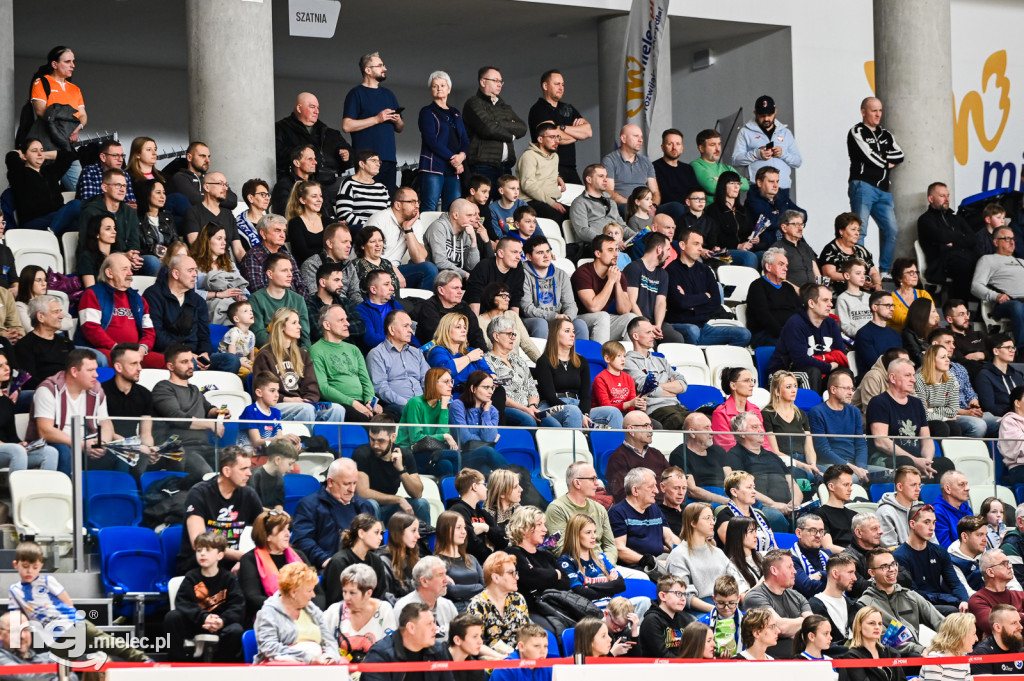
[503,210]
[623,621]
[479,192]
[268,479]
[613,387]
[208,602]
[43,600]
[852,304]
[525,223]
[531,644]
[239,340]
[261,419]
[725,619]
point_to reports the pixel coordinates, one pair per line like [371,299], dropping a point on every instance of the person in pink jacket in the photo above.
[738,384]
[1011,434]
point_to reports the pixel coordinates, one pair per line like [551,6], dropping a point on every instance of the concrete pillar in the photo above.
[8,112]
[913,78]
[231,85]
[611,40]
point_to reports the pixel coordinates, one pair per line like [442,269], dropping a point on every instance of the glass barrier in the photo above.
[146,451]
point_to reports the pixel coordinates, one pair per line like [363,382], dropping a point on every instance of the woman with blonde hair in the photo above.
[697,560]
[286,359]
[787,427]
[590,573]
[940,392]
[290,628]
[305,224]
[866,644]
[504,493]
[538,568]
[463,568]
[451,352]
[956,637]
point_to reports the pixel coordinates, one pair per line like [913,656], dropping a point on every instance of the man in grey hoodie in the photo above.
[457,240]
[907,607]
[894,506]
[547,292]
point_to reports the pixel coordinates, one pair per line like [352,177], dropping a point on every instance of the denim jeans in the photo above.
[744,258]
[150,266]
[420,507]
[484,459]
[569,417]
[101,359]
[62,220]
[14,457]
[63,458]
[972,426]
[714,335]
[776,520]
[443,463]
[223,361]
[419,275]
[610,416]
[435,188]
[304,411]
[515,417]
[1014,309]
[865,201]
[538,328]
[492,173]
[70,180]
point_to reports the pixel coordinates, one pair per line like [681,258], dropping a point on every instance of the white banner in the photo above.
[648,21]
[313,18]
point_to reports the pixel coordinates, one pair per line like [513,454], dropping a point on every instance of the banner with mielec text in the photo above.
[648,20]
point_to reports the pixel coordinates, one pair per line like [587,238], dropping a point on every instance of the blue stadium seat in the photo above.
[640,587]
[170,541]
[543,486]
[249,647]
[149,477]
[805,399]
[761,357]
[553,649]
[217,332]
[569,641]
[785,540]
[591,351]
[519,448]
[342,437]
[930,493]
[111,500]
[448,493]
[131,561]
[697,396]
[104,374]
[880,488]
[297,486]
[603,443]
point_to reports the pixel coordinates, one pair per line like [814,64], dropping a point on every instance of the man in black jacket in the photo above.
[447,298]
[1006,638]
[413,641]
[303,126]
[492,126]
[947,242]
[771,300]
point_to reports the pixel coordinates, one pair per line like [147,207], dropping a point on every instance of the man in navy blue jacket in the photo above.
[929,565]
[953,505]
[811,341]
[320,517]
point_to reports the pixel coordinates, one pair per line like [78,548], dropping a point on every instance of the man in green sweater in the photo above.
[581,479]
[277,294]
[708,168]
[341,369]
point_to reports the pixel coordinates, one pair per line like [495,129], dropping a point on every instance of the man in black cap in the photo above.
[763,141]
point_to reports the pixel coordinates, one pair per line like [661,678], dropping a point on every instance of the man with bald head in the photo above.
[873,154]
[211,209]
[320,517]
[458,240]
[17,649]
[628,167]
[303,127]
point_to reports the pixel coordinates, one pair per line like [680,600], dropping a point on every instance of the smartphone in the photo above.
[373,403]
[399,110]
[770,145]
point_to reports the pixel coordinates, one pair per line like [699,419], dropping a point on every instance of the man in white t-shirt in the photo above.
[403,235]
[65,395]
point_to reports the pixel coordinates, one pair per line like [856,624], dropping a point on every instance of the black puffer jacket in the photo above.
[490,125]
[289,133]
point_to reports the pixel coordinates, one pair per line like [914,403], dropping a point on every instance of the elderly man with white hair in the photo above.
[273,231]
[320,517]
[431,578]
[638,525]
[774,478]
[997,572]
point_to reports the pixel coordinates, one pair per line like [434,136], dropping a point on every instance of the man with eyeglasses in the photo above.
[91,179]
[639,525]
[661,631]
[803,261]
[999,279]
[403,239]
[776,592]
[583,486]
[897,603]
[211,210]
[537,171]
[998,573]
[111,203]
[492,126]
[634,452]
[928,564]
[809,558]
[372,116]
[997,378]
[875,337]
[836,416]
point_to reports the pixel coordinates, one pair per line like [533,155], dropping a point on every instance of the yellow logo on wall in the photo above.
[972,107]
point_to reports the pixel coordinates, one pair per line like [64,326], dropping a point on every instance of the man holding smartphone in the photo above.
[764,141]
[372,116]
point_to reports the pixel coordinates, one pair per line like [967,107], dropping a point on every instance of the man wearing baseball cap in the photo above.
[763,141]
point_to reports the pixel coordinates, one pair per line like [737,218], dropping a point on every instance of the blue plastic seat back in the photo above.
[697,396]
[569,641]
[170,539]
[111,500]
[640,587]
[343,438]
[217,333]
[543,486]
[930,493]
[448,492]
[249,647]
[806,399]
[603,443]
[879,488]
[553,649]
[785,540]
[519,448]
[297,486]
[762,356]
[132,559]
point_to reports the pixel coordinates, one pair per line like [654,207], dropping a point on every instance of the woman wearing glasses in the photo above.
[538,567]
[997,379]
[256,194]
[905,274]
[738,383]
[475,409]
[500,605]
[494,302]
[522,397]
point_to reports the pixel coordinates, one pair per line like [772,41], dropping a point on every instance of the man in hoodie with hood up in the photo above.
[997,378]
[764,141]
[538,174]
[811,341]
[547,291]
[894,507]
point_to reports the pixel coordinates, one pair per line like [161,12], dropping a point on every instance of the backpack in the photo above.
[531,497]
[27,117]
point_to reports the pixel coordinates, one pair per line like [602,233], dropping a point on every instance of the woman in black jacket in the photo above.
[258,569]
[730,223]
[156,224]
[359,544]
[538,567]
[484,535]
[866,644]
[922,319]
[36,187]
